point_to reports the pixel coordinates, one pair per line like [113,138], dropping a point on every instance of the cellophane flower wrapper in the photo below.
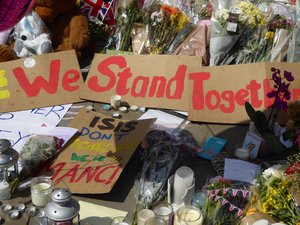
[226,202]
[38,149]
[128,13]
[165,23]
[197,42]
[163,155]
[34,156]
[271,42]
[294,47]
[274,189]
[250,19]
[222,39]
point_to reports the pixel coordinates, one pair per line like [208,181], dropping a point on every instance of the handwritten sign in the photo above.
[153,81]
[218,94]
[93,162]
[40,81]
[48,116]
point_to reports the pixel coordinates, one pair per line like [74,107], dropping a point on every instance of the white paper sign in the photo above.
[49,116]
[241,170]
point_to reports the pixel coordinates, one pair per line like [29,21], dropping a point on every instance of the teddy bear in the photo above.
[7,53]
[67,24]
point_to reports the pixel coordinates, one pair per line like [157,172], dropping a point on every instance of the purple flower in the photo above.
[287,95]
[288,76]
[272,94]
[281,104]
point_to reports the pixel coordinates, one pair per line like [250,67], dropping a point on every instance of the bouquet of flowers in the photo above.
[276,189]
[232,27]
[128,13]
[35,153]
[226,201]
[165,22]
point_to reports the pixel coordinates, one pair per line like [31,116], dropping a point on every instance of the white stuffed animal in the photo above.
[31,36]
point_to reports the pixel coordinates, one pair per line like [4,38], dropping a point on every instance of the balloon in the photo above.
[12,11]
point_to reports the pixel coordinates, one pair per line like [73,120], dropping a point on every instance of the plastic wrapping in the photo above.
[267,43]
[196,44]
[165,23]
[162,154]
[32,37]
[128,13]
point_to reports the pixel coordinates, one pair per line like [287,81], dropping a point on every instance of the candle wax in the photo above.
[39,194]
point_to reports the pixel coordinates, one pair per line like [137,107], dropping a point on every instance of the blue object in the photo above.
[212,147]
[106,107]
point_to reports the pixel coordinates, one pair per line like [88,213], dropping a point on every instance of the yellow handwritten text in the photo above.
[3,83]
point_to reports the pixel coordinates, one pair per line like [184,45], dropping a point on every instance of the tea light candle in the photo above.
[242,153]
[133,108]
[13,214]
[123,109]
[183,179]
[143,215]
[6,207]
[4,190]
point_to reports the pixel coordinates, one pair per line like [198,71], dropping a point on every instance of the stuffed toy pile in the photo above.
[68,27]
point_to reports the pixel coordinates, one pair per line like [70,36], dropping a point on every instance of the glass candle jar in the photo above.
[164,210]
[156,220]
[41,188]
[188,215]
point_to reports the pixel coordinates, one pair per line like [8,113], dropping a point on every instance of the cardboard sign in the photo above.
[40,81]
[93,162]
[218,94]
[158,81]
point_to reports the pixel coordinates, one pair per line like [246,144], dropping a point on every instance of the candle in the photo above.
[155,221]
[115,101]
[41,188]
[4,190]
[183,179]
[242,153]
[143,215]
[164,210]
[188,215]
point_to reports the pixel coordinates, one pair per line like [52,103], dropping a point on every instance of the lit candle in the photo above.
[188,215]
[4,190]
[143,215]
[183,179]
[41,188]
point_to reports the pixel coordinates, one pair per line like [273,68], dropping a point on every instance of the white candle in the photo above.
[155,221]
[143,215]
[4,190]
[188,215]
[115,101]
[40,194]
[164,210]
[183,179]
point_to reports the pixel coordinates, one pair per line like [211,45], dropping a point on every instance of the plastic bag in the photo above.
[32,37]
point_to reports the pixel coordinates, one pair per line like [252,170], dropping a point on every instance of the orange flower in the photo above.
[167,9]
[174,10]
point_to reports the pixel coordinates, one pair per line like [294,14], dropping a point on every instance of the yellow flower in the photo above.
[269,35]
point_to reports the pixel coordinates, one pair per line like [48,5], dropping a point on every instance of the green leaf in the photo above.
[274,143]
[250,110]
[260,122]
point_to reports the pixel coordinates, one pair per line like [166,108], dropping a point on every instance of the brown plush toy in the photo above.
[68,26]
[7,53]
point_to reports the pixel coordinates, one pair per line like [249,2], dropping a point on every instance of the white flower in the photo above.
[157,16]
[274,171]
